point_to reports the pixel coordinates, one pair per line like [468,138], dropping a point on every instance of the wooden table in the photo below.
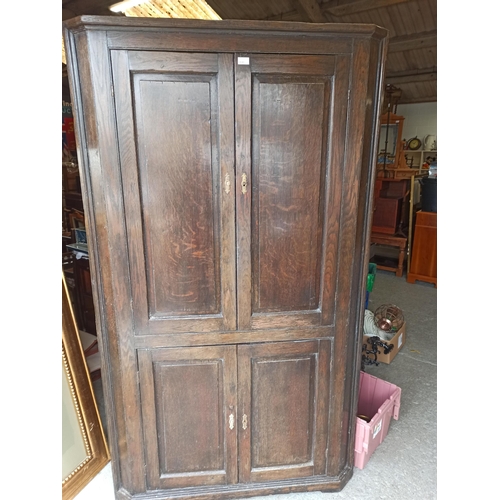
[392,241]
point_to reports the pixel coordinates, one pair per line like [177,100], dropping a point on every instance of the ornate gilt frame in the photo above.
[80,405]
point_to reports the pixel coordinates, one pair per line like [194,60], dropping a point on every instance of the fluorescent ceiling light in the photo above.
[192,9]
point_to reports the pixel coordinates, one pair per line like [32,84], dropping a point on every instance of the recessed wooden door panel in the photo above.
[287,209]
[189,413]
[289,163]
[175,134]
[282,395]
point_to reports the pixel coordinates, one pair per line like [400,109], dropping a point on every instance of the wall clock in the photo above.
[414,143]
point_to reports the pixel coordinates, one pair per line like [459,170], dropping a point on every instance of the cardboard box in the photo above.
[378,401]
[398,341]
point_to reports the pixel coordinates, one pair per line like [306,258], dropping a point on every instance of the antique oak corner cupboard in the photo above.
[228,171]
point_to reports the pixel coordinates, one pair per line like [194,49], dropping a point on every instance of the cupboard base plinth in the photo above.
[412,278]
[323,484]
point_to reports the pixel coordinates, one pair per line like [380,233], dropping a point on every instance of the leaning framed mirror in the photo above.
[84,448]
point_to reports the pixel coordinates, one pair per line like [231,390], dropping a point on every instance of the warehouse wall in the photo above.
[420,119]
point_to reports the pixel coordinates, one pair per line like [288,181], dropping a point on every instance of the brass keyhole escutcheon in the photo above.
[231,421]
[227,184]
[244,183]
[244,422]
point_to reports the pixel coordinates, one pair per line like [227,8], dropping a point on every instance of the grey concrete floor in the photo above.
[404,466]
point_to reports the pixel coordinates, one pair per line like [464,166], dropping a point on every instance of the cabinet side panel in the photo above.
[352,267]
[91,88]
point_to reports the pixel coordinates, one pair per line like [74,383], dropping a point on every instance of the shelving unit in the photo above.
[417,159]
[77,270]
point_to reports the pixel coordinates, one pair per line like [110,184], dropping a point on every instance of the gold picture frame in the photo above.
[84,448]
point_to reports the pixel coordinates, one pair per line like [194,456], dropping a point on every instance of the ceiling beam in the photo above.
[412,76]
[67,14]
[347,9]
[415,100]
[311,10]
[424,40]
[292,15]
[89,7]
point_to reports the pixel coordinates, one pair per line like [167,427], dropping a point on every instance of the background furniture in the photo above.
[83,295]
[90,348]
[390,145]
[391,241]
[390,206]
[230,305]
[420,159]
[390,223]
[423,264]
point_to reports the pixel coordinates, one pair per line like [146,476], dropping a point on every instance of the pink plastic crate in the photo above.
[379,401]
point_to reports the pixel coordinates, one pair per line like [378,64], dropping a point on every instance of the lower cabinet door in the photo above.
[283,390]
[189,415]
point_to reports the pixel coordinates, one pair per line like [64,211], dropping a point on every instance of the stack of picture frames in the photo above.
[84,448]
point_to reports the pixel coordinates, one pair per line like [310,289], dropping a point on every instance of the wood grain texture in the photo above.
[286,170]
[228,204]
[345,328]
[243,130]
[137,24]
[358,182]
[371,123]
[237,337]
[178,203]
[335,160]
[261,42]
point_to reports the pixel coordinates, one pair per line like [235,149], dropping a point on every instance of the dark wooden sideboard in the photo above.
[227,169]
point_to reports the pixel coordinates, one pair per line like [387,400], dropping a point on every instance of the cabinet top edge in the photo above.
[124,23]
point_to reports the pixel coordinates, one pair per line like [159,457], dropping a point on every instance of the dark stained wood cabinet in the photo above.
[227,170]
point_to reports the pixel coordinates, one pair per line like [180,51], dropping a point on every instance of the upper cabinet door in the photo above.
[175,117]
[290,121]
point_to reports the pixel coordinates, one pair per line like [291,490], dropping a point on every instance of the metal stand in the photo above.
[375,342]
